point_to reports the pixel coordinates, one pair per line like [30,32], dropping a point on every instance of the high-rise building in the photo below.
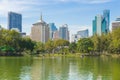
[40,31]
[97,24]
[116,24]
[80,34]
[15,21]
[63,32]
[56,35]
[101,23]
[106,18]
[52,28]
[94,26]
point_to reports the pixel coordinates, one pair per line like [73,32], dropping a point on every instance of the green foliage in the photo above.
[61,46]
[101,43]
[12,41]
[115,43]
[85,45]
[39,48]
[72,47]
[49,46]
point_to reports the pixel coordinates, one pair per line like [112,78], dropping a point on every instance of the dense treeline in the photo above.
[106,43]
[12,43]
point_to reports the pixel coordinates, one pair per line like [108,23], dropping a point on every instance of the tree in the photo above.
[60,45]
[85,45]
[72,47]
[39,48]
[49,46]
[26,44]
[115,43]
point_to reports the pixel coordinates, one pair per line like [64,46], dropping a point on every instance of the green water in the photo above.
[59,68]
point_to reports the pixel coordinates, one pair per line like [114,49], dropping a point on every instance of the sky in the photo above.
[78,14]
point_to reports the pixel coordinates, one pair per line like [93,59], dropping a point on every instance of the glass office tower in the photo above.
[106,18]
[15,21]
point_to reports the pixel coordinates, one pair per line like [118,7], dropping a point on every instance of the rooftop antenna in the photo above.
[41,17]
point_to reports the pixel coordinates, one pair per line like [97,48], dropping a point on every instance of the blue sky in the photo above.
[78,14]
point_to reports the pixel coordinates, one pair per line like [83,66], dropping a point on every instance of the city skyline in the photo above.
[78,14]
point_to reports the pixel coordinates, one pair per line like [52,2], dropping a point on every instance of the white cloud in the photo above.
[87,1]
[15,5]
[22,5]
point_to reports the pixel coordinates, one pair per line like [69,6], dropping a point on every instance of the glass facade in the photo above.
[15,21]
[101,23]
[83,33]
[52,28]
[106,16]
[104,26]
[63,32]
[94,26]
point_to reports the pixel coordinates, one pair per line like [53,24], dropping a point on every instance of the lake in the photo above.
[59,68]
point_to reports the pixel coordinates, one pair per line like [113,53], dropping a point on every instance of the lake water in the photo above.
[59,68]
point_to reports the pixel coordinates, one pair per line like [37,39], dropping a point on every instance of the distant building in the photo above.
[0,27]
[94,26]
[83,33]
[116,24]
[80,34]
[74,38]
[101,23]
[118,19]
[52,29]
[15,21]
[40,31]
[56,35]
[63,32]
[23,34]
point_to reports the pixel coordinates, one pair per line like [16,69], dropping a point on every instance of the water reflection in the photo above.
[59,68]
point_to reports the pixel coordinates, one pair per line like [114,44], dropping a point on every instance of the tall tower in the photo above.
[101,23]
[41,17]
[94,26]
[15,21]
[63,32]
[52,28]
[106,16]
[40,31]
[97,25]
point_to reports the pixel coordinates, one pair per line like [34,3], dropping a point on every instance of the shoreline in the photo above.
[66,55]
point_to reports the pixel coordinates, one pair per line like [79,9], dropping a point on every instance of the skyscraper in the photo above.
[15,21]
[40,31]
[101,23]
[94,25]
[63,32]
[52,28]
[106,18]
